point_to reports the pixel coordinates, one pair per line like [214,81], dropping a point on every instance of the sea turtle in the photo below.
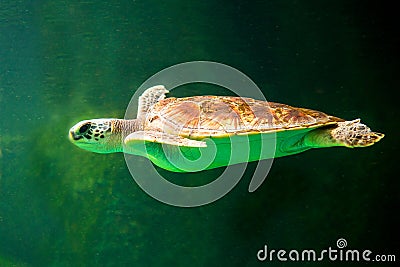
[232,126]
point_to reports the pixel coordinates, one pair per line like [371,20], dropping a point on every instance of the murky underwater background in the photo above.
[64,61]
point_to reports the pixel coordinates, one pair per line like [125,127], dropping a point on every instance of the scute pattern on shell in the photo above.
[202,116]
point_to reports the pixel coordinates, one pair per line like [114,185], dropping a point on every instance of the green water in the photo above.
[64,61]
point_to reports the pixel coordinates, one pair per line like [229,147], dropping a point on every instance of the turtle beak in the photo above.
[73,136]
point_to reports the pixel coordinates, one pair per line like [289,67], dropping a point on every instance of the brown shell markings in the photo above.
[201,116]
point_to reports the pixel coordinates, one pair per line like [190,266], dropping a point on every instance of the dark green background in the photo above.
[63,61]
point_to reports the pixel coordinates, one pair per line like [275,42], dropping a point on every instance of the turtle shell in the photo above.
[209,116]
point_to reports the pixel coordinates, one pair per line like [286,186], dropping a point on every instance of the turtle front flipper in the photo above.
[150,97]
[171,152]
[348,133]
[162,138]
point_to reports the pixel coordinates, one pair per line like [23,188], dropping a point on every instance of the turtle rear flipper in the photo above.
[355,134]
[347,133]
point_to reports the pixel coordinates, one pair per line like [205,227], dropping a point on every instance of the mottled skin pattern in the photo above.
[102,135]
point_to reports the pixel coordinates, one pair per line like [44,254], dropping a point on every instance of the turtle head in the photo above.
[95,135]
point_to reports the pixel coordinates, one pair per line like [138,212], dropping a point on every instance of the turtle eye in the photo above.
[84,128]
